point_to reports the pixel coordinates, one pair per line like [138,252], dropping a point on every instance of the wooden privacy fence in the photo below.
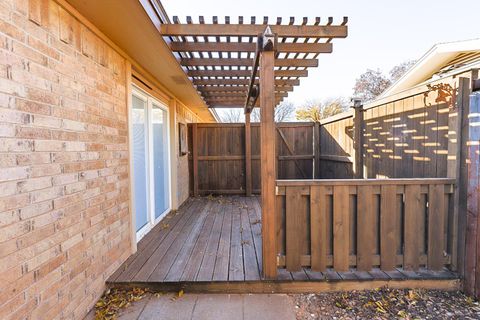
[365,224]
[218,157]
[412,134]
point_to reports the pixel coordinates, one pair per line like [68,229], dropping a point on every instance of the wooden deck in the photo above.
[214,245]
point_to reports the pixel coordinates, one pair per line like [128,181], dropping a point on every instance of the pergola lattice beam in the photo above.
[223,58]
[252,30]
[245,62]
[249,47]
[244,73]
[222,82]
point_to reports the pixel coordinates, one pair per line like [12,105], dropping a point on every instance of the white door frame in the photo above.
[152,221]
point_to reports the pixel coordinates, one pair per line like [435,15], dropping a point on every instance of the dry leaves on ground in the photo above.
[114,300]
[386,303]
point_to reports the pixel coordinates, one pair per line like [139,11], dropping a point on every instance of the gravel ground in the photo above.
[386,304]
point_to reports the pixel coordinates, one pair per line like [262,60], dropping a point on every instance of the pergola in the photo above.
[247,66]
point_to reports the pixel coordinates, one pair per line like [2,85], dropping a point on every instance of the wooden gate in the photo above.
[218,159]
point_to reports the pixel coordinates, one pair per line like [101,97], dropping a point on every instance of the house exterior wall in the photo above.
[65,221]
[183,115]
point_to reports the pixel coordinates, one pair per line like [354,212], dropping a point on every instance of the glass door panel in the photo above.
[139,137]
[160,160]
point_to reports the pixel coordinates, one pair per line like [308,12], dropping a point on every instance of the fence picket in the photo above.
[365,228]
[413,209]
[436,226]
[318,227]
[341,228]
[293,228]
[387,227]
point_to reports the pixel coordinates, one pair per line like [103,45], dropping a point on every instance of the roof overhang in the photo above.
[430,63]
[132,26]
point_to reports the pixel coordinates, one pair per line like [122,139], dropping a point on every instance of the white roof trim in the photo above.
[430,63]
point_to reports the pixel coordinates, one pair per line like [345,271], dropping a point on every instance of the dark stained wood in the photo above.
[316,150]
[146,268]
[250,262]
[196,254]
[249,47]
[176,257]
[293,228]
[221,270]
[268,166]
[436,229]
[210,219]
[195,159]
[248,156]
[244,73]
[413,210]
[151,241]
[245,62]
[456,167]
[388,200]
[377,222]
[318,223]
[288,286]
[237,58]
[358,139]
[365,228]
[245,30]
[341,227]
[282,84]
[207,266]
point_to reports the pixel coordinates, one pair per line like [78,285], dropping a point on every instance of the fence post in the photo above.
[316,150]
[472,267]
[248,156]
[454,159]
[195,159]
[268,157]
[358,138]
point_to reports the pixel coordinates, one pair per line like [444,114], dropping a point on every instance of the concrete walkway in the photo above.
[210,307]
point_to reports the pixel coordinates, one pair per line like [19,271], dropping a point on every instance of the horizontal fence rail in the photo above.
[365,224]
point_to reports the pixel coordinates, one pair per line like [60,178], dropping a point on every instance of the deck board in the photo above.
[210,241]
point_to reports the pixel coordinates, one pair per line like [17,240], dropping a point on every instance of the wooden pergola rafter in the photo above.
[222,58]
[251,65]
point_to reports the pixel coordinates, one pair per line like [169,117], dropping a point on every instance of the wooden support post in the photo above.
[316,150]
[267,157]
[195,159]
[454,159]
[248,156]
[472,263]
[358,139]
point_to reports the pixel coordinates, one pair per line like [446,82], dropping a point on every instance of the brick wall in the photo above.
[64,216]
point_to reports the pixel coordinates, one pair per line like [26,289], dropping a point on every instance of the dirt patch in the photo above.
[386,303]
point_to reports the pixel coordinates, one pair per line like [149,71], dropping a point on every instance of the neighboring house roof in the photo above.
[441,60]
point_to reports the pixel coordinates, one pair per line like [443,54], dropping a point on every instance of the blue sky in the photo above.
[381,33]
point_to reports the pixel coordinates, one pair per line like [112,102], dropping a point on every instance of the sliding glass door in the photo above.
[150,155]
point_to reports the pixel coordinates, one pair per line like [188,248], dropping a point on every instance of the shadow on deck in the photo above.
[215,245]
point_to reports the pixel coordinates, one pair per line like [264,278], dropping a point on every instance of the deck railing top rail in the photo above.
[323,182]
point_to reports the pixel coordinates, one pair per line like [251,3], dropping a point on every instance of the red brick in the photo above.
[64,219]
[34,184]
[42,96]
[33,158]
[12,31]
[45,170]
[32,132]
[32,107]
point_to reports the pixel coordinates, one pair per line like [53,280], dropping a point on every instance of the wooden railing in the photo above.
[366,223]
